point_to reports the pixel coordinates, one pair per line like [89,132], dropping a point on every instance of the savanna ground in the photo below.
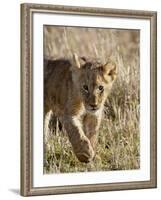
[119,137]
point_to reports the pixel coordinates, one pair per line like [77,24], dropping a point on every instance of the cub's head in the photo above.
[93,80]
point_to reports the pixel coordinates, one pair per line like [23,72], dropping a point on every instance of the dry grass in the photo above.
[119,139]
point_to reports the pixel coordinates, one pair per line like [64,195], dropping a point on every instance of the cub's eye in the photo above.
[100,88]
[85,87]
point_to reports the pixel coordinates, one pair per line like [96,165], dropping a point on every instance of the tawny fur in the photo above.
[75,90]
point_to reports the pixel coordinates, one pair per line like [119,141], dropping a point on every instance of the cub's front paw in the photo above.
[85,152]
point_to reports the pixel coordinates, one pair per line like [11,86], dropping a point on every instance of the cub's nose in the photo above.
[93,106]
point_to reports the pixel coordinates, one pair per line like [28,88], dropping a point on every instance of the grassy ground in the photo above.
[118,144]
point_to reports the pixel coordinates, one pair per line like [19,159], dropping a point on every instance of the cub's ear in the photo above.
[76,62]
[110,71]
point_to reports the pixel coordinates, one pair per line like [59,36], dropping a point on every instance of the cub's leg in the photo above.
[91,125]
[80,143]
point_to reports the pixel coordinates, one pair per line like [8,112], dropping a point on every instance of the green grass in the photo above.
[119,137]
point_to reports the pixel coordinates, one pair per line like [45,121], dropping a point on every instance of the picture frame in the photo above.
[29,88]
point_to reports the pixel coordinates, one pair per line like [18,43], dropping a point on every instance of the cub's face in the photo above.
[94,83]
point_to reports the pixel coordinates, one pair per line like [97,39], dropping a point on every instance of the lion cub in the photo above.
[75,91]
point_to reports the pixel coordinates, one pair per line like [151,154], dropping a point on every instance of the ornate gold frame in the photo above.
[27,11]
